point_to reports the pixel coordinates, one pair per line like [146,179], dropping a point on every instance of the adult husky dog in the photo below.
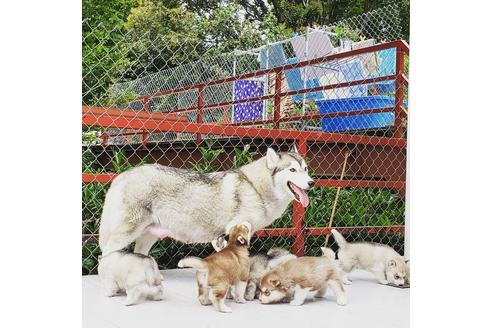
[152,201]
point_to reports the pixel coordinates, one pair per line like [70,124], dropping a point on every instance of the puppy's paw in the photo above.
[342,300]
[383,282]
[296,302]
[129,301]
[180,264]
[109,292]
[225,309]
[240,300]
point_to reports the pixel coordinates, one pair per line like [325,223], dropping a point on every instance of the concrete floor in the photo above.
[369,305]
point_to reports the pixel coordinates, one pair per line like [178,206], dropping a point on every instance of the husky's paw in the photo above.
[383,282]
[130,301]
[225,309]
[342,300]
[296,302]
[110,292]
[180,264]
[240,300]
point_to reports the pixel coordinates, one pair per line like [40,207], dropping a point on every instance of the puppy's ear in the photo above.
[272,158]
[391,263]
[275,282]
[293,149]
[241,240]
[248,226]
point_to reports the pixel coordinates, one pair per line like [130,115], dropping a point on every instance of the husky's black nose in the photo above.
[311,184]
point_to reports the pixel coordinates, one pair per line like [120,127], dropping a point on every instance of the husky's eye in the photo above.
[397,276]
[266,293]
[292,170]
[305,169]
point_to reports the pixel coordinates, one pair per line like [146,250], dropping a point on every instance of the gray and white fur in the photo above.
[383,261]
[136,274]
[152,202]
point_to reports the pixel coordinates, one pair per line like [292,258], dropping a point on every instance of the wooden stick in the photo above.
[347,154]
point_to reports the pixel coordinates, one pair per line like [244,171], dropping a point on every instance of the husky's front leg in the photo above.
[339,291]
[218,298]
[144,243]
[300,295]
[380,275]
[239,289]
[203,289]
[110,287]
[250,293]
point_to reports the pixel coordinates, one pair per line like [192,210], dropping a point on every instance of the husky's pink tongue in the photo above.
[303,197]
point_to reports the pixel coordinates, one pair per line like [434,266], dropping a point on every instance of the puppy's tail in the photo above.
[327,252]
[193,262]
[342,243]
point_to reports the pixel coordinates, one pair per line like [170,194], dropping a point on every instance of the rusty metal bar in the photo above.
[298,213]
[237,131]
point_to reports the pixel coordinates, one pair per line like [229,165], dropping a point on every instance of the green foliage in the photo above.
[103,48]
[356,207]
[209,156]
[242,156]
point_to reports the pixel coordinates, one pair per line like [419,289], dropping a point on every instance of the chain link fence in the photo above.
[337,92]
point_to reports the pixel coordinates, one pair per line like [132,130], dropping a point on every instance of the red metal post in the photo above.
[298,213]
[277,99]
[145,134]
[400,64]
[199,116]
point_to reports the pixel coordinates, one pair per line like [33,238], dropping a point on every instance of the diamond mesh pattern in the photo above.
[333,90]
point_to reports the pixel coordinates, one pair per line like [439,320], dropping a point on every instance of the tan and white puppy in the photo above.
[219,271]
[136,274]
[300,278]
[383,261]
[259,265]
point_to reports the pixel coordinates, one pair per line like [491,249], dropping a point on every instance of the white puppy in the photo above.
[137,275]
[383,261]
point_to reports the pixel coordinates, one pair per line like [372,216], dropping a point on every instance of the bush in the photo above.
[356,207]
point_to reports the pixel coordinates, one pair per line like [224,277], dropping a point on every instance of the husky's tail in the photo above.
[342,243]
[327,252]
[193,262]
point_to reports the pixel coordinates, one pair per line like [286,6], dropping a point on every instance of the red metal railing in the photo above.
[147,121]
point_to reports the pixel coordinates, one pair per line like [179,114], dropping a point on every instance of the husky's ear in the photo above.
[275,282]
[293,149]
[272,158]
[391,263]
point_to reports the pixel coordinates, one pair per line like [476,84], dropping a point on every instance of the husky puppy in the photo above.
[136,274]
[152,202]
[383,261]
[299,278]
[260,264]
[219,271]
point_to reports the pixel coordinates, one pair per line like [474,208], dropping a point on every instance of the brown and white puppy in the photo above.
[299,278]
[383,261]
[136,274]
[219,271]
[259,264]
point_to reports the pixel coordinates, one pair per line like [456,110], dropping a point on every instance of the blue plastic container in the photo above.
[356,122]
